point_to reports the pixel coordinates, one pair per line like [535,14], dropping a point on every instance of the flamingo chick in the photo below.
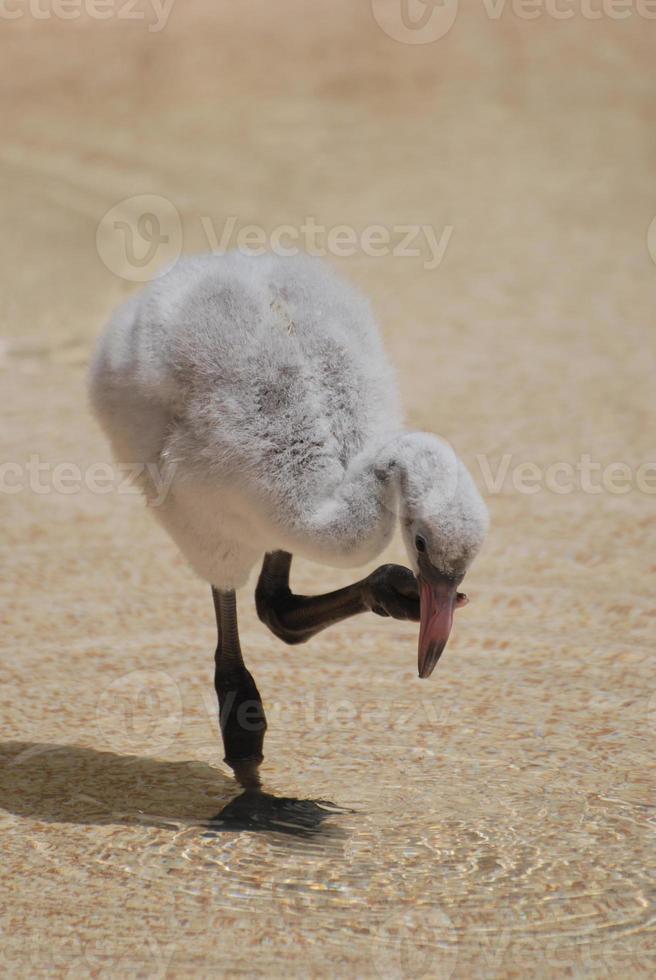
[258,391]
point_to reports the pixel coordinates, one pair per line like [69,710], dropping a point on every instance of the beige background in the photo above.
[503,805]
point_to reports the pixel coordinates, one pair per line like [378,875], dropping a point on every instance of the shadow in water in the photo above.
[72,784]
[255,810]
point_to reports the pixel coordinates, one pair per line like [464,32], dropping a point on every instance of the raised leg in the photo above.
[241,714]
[390,590]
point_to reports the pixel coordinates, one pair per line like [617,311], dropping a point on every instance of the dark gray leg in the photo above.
[241,714]
[390,590]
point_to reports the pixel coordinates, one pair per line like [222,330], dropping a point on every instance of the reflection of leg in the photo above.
[241,714]
[390,590]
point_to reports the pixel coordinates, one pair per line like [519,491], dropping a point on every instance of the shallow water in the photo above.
[501,851]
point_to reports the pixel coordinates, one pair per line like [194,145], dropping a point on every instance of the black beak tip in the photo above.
[427,666]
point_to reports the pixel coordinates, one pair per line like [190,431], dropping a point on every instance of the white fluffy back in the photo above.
[251,378]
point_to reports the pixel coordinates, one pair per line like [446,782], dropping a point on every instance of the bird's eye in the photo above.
[420,544]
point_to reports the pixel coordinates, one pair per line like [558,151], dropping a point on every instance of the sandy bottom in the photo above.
[501,823]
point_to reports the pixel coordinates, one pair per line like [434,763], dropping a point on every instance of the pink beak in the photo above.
[437,600]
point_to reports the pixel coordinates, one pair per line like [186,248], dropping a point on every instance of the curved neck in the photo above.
[355,521]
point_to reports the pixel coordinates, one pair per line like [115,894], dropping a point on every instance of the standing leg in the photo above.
[241,714]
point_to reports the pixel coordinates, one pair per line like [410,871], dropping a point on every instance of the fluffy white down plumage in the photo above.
[258,388]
